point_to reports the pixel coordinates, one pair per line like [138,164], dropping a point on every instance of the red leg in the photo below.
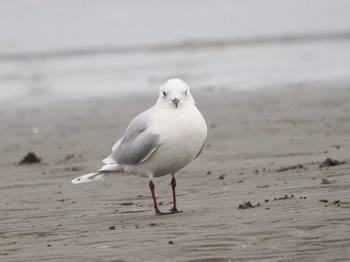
[173,185]
[151,187]
[156,209]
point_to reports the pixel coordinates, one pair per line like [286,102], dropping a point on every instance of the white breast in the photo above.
[182,133]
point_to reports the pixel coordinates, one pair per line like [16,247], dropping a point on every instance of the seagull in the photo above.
[158,142]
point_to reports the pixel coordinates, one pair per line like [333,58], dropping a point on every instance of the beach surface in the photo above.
[259,191]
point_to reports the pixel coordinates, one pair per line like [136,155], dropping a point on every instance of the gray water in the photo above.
[62,49]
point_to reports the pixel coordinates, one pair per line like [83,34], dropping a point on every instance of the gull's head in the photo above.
[175,93]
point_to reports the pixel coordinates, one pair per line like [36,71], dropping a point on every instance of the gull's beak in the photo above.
[175,101]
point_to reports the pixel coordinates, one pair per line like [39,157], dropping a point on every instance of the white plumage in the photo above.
[159,141]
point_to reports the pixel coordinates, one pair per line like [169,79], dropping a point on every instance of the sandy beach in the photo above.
[256,193]
[272,80]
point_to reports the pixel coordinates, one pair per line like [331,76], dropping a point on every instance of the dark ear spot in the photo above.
[186,91]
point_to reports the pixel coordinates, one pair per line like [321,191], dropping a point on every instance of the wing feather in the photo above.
[137,144]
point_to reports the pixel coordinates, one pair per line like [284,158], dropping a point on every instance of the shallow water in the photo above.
[70,49]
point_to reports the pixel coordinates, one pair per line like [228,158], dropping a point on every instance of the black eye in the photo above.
[164,93]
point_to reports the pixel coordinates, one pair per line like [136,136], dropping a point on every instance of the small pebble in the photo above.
[325,181]
[222,177]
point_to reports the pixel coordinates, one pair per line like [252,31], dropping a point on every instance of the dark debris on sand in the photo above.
[222,177]
[282,169]
[248,205]
[126,204]
[285,197]
[330,162]
[325,181]
[30,158]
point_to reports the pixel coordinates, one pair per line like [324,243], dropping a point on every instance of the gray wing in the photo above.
[138,143]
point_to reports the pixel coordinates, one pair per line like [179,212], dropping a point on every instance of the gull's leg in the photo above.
[151,187]
[156,209]
[173,185]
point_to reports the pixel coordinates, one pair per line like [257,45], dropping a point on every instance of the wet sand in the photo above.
[264,147]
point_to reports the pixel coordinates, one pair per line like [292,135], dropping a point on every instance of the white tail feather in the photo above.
[88,178]
[108,160]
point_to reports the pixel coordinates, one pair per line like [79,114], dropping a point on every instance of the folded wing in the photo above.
[137,144]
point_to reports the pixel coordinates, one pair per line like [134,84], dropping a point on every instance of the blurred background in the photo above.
[83,49]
